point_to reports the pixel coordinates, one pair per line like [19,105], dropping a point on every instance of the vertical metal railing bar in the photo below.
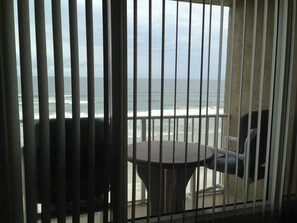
[218,104]
[294,131]
[60,110]
[175,98]
[291,23]
[240,99]
[74,54]
[143,138]
[28,111]
[107,101]
[149,112]
[153,129]
[273,68]
[186,122]
[169,129]
[252,74]
[177,120]
[162,112]
[282,44]
[135,60]
[193,130]
[185,128]
[91,110]
[261,85]
[44,111]
[206,112]
[222,138]
[229,108]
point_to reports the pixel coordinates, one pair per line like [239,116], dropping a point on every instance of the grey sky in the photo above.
[170,39]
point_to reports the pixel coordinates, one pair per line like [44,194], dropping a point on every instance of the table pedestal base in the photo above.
[173,187]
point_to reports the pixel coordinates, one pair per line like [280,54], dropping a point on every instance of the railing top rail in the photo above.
[171,116]
[178,116]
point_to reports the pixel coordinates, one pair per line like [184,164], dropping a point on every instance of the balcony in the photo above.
[178,123]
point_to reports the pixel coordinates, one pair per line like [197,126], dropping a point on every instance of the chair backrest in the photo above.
[243,134]
[99,161]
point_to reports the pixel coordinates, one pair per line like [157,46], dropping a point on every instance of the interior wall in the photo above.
[292,146]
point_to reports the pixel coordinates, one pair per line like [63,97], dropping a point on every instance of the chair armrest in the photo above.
[252,135]
[231,138]
[225,152]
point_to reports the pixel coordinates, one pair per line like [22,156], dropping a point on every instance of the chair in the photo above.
[99,165]
[243,142]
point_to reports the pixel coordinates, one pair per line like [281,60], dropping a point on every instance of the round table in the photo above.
[169,177]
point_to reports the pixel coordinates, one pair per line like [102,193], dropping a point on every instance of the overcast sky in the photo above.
[143,21]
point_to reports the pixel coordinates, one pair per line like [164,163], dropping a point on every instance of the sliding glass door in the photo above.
[148,110]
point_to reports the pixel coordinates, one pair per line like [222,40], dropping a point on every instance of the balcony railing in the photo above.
[209,126]
[207,122]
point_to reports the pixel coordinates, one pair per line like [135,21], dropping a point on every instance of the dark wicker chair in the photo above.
[100,162]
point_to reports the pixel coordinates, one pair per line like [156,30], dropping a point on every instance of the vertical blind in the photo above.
[53,89]
[243,49]
[178,71]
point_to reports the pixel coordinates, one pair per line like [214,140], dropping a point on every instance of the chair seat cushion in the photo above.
[231,165]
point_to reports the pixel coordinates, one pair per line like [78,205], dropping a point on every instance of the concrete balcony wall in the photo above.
[233,82]
[247,66]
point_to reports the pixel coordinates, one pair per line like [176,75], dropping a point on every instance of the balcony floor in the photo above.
[141,209]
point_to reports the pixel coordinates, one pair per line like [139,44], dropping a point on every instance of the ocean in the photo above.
[208,104]
[142,97]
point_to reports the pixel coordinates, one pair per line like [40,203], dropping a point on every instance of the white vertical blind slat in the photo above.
[149,111]
[218,103]
[28,111]
[43,110]
[107,100]
[12,136]
[60,110]
[226,191]
[135,81]
[186,123]
[272,82]
[200,108]
[175,97]
[251,93]
[242,67]
[207,112]
[260,104]
[74,54]
[294,131]
[277,107]
[91,110]
[290,68]
[161,195]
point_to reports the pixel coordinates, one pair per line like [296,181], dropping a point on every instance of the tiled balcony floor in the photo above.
[141,209]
